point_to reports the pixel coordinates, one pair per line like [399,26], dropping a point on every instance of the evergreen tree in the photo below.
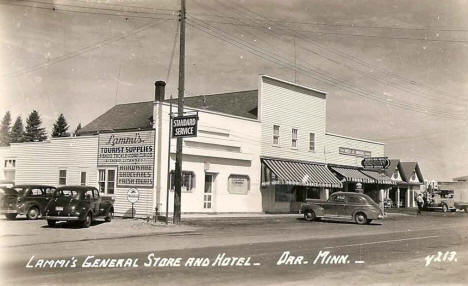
[5,129]
[34,132]
[60,127]
[17,131]
[77,129]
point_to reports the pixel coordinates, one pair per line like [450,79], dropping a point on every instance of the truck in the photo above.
[438,199]
[460,193]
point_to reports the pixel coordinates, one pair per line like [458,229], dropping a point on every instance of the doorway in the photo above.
[208,191]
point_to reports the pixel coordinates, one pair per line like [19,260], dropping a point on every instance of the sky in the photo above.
[394,71]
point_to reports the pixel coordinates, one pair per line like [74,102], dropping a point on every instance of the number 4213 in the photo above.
[448,256]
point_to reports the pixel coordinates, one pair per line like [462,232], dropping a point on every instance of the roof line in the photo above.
[215,112]
[294,84]
[222,93]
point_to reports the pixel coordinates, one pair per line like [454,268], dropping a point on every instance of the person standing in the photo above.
[420,202]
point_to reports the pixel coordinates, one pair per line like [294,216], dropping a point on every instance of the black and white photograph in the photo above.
[234,142]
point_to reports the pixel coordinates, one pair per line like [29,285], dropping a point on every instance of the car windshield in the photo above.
[67,194]
[21,191]
[6,191]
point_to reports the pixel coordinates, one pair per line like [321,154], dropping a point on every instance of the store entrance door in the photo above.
[208,191]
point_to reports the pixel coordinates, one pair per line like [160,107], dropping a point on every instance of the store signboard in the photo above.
[132,153]
[354,152]
[376,162]
[185,126]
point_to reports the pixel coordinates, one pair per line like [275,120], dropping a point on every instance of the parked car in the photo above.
[8,198]
[343,205]
[440,200]
[29,200]
[78,204]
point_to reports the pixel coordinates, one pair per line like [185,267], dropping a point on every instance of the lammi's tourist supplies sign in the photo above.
[184,126]
[132,154]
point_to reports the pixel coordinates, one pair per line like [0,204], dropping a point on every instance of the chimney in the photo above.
[159,91]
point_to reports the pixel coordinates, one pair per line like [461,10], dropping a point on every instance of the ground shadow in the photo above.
[71,225]
[373,223]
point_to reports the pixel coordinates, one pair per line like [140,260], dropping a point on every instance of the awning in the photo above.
[353,175]
[282,172]
[379,177]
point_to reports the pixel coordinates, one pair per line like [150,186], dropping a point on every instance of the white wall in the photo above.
[334,142]
[291,106]
[225,145]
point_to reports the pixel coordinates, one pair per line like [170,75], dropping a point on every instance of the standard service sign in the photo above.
[133,195]
[185,126]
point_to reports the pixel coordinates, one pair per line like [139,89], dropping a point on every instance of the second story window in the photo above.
[62,177]
[294,138]
[312,142]
[276,129]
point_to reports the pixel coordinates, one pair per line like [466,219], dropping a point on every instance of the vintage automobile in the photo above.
[78,204]
[439,200]
[343,205]
[27,199]
[8,198]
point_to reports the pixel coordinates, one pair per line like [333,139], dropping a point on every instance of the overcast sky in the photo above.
[394,71]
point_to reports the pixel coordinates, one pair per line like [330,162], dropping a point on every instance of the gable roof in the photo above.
[240,103]
[394,163]
[138,115]
[461,179]
[408,169]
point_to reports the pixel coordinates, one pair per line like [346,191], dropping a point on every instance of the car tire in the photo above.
[88,220]
[444,208]
[310,216]
[51,223]
[360,218]
[109,216]
[33,213]
[10,216]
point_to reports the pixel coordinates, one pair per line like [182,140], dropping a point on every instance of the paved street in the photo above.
[390,252]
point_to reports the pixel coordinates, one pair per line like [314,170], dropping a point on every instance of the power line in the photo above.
[340,53]
[79,51]
[307,71]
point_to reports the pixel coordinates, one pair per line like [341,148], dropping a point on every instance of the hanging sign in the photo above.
[185,126]
[376,162]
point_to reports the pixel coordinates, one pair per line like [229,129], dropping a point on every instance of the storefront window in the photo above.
[283,194]
[106,181]
[313,193]
[238,184]
[188,180]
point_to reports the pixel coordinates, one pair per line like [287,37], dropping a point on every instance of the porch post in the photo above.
[398,197]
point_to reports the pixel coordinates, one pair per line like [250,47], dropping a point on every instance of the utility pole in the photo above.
[180,112]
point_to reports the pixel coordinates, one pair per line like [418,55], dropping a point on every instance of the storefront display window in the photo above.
[238,184]
[188,180]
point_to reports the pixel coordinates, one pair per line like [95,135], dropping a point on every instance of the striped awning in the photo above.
[353,175]
[379,177]
[282,172]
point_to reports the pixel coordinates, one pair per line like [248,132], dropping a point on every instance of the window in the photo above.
[49,191]
[395,174]
[313,193]
[238,184]
[188,180]
[283,194]
[36,192]
[413,177]
[276,129]
[62,177]
[294,138]
[10,164]
[338,198]
[312,142]
[356,200]
[106,181]
[96,193]
[83,179]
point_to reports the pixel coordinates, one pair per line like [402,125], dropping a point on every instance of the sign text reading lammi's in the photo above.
[185,126]
[132,153]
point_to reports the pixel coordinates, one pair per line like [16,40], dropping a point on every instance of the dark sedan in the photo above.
[78,204]
[343,205]
[29,200]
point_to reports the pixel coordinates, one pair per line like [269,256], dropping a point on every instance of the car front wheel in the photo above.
[360,218]
[33,213]
[310,216]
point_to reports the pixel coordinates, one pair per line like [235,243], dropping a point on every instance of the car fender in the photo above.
[27,205]
[369,213]
[318,210]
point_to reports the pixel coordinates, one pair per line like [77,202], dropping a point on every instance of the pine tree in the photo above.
[17,131]
[60,127]
[77,129]
[5,130]
[34,132]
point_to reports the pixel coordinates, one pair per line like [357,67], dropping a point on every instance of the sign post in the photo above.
[133,195]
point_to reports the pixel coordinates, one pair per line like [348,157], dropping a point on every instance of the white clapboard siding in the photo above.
[291,106]
[334,142]
[40,162]
[142,208]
